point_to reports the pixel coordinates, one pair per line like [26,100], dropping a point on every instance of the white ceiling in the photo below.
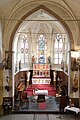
[67,9]
[7,7]
[41,24]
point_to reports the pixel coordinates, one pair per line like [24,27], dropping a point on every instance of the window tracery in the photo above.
[23,52]
[58,49]
[41,49]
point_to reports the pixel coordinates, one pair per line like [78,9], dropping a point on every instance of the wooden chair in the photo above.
[62,102]
[24,100]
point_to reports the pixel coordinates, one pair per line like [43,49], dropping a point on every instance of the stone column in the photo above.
[79,86]
[1,92]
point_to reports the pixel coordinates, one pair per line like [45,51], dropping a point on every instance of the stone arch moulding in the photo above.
[48,11]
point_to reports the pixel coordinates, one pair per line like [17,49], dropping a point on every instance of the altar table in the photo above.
[41,92]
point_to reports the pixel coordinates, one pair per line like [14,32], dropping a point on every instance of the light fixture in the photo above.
[77,48]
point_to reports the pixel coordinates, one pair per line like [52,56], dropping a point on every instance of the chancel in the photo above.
[40,54]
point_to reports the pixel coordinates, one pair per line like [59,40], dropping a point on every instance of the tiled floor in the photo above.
[38,117]
[52,105]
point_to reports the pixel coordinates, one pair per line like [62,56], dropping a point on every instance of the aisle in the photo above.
[41,117]
[37,117]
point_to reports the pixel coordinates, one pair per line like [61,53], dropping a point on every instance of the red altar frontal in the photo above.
[41,74]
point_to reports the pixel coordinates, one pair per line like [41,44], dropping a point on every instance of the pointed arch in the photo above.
[34,10]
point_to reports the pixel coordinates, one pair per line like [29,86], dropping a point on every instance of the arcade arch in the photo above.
[24,42]
[46,23]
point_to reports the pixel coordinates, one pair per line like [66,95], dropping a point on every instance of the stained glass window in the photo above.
[41,49]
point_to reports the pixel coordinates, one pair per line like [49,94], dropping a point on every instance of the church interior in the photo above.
[39,55]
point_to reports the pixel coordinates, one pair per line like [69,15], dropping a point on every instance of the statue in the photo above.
[75,84]
[20,65]
[49,60]
[33,59]
[62,65]
[65,67]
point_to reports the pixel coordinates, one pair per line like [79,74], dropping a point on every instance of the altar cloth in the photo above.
[41,92]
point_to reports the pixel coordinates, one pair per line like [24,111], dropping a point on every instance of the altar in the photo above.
[41,92]
[41,74]
[41,80]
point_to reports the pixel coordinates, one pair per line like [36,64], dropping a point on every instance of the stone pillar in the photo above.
[79,86]
[1,92]
[69,77]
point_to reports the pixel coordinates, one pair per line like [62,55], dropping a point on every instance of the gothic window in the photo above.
[23,49]
[58,49]
[41,49]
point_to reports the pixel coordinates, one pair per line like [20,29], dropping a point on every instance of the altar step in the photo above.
[51,89]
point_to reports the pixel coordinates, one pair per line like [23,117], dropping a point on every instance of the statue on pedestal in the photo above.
[49,60]
[20,65]
[33,59]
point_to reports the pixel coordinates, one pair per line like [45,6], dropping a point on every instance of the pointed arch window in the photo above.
[58,49]
[41,49]
[23,53]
